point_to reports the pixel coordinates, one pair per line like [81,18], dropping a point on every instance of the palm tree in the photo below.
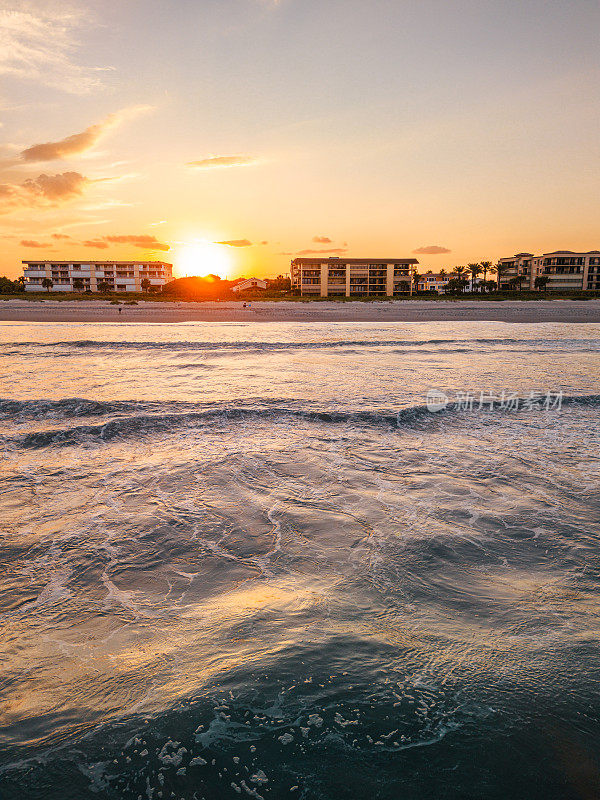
[146,284]
[475,270]
[486,267]
[104,287]
[21,283]
[416,277]
[540,282]
[77,284]
[498,270]
[47,283]
[460,276]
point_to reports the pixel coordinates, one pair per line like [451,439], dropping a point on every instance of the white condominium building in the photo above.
[563,268]
[118,276]
[347,277]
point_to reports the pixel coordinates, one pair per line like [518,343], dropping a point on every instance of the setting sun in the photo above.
[203,258]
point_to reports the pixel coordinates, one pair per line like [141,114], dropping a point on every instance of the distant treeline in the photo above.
[11,287]
[211,287]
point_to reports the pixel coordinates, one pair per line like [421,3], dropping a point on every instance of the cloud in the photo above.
[321,239]
[217,162]
[80,142]
[95,243]
[330,250]
[42,191]
[142,240]
[32,243]
[145,241]
[237,243]
[431,250]
[40,46]
[264,242]
[60,236]
[57,187]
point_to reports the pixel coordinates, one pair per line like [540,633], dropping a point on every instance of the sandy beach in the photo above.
[19,310]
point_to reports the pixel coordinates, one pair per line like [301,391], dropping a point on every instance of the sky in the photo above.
[229,136]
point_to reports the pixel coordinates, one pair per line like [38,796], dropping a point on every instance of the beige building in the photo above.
[248,284]
[347,277]
[121,276]
[434,281]
[563,268]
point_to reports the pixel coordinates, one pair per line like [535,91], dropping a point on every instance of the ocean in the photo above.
[249,560]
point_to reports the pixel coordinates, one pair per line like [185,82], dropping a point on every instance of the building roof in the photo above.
[571,253]
[86,261]
[339,260]
[248,282]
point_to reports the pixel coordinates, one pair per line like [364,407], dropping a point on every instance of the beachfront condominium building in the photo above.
[434,281]
[347,277]
[117,276]
[563,269]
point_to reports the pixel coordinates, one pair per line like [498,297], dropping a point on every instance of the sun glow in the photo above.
[203,258]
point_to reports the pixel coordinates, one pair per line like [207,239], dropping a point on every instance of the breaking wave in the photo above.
[191,415]
[92,344]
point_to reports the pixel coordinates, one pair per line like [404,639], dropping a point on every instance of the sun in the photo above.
[203,258]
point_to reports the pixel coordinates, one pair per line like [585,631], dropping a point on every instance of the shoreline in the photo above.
[574,311]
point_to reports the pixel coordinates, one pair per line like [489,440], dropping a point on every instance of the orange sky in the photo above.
[230,136]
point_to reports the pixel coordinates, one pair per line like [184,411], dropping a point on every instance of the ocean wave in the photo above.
[156,423]
[92,344]
[76,407]
[65,408]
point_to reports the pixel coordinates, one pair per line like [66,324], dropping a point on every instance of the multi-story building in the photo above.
[434,281]
[563,268]
[347,277]
[118,276]
[521,266]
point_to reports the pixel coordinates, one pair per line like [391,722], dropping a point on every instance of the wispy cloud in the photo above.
[328,250]
[236,243]
[219,162]
[60,236]
[431,250]
[33,243]
[143,240]
[99,243]
[56,187]
[42,191]
[80,142]
[322,239]
[41,46]
[136,240]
